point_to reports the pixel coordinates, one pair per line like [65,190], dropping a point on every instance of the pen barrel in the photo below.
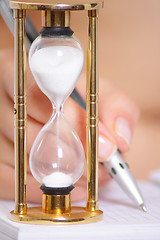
[119,170]
[92,112]
[20,113]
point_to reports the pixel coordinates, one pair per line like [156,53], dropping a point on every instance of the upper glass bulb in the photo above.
[56,63]
[57,157]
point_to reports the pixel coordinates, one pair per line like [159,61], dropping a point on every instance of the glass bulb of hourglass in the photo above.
[56,63]
[57,157]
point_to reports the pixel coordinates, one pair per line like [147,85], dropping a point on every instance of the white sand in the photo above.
[56,70]
[57,179]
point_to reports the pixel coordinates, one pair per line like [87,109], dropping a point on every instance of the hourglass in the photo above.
[57,157]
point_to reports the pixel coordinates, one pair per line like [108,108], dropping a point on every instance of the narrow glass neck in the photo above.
[57,109]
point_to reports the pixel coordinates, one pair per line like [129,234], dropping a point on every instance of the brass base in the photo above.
[76,216]
[56,204]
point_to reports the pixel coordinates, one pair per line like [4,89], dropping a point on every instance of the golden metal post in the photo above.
[92,113]
[20,113]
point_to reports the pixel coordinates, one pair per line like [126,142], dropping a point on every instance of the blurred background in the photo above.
[129,52]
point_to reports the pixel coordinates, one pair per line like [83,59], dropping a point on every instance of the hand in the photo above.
[118,115]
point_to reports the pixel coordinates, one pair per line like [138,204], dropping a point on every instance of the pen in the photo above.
[115,165]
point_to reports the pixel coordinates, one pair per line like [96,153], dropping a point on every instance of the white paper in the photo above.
[155,176]
[122,220]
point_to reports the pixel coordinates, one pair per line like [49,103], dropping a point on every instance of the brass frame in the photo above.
[78,215]
[91,212]
[70,5]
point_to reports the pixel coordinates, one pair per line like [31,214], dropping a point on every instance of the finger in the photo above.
[7,122]
[6,151]
[119,114]
[38,105]
[6,182]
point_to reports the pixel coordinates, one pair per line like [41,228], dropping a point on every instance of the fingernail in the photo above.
[123,129]
[106,148]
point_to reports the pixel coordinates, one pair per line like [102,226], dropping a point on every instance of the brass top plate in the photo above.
[64,5]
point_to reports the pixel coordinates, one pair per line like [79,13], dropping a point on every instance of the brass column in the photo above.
[20,112]
[92,113]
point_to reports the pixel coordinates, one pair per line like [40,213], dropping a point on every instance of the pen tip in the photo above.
[143,207]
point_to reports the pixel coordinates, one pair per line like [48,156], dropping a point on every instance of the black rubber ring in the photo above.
[56,31]
[56,191]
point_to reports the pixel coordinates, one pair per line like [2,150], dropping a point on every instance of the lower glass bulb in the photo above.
[57,157]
